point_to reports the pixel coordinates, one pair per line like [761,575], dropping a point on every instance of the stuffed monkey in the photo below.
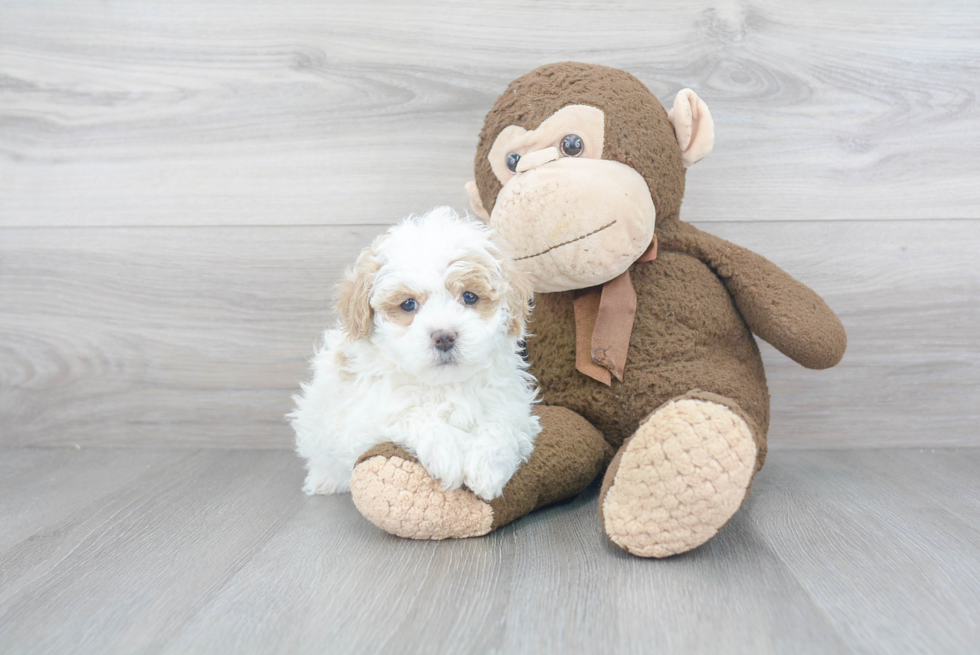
[642,326]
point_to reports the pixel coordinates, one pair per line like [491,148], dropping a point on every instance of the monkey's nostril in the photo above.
[444,340]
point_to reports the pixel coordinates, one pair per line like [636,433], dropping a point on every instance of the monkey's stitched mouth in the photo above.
[565,243]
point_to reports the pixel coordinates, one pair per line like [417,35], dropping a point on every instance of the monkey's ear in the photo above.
[693,126]
[354,295]
[476,204]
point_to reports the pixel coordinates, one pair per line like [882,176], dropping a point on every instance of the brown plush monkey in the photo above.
[642,325]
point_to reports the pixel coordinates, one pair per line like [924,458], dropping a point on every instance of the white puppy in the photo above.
[427,356]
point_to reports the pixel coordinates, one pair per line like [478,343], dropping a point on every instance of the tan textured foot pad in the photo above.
[401,498]
[681,478]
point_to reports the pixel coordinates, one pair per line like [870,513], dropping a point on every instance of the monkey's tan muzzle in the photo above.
[574,223]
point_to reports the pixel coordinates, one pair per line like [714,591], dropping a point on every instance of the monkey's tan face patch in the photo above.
[587,123]
[387,303]
[571,221]
[575,223]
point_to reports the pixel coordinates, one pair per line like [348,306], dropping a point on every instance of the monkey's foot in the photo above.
[679,478]
[398,495]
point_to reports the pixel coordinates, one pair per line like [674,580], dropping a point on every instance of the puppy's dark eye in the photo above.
[512,160]
[409,305]
[470,298]
[572,146]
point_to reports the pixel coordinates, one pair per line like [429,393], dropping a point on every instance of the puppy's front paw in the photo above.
[324,481]
[486,485]
[444,462]
[394,492]
[486,473]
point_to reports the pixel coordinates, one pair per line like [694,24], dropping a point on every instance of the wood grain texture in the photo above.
[719,598]
[122,573]
[864,537]
[162,335]
[182,182]
[908,294]
[41,486]
[198,336]
[223,113]
[864,551]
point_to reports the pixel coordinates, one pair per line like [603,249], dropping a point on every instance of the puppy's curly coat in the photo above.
[426,355]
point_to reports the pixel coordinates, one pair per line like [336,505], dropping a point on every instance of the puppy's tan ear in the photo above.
[354,295]
[519,295]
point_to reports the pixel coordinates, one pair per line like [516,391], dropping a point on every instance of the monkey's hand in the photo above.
[781,310]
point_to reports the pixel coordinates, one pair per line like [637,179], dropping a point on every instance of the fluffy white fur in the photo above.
[465,413]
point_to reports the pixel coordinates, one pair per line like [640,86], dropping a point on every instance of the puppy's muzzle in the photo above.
[444,340]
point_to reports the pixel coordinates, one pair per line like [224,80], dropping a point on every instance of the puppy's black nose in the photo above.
[444,340]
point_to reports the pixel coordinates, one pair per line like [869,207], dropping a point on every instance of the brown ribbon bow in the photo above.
[604,318]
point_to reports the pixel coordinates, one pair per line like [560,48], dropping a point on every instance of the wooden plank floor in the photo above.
[217,551]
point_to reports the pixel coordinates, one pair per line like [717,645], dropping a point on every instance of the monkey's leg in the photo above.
[681,476]
[393,491]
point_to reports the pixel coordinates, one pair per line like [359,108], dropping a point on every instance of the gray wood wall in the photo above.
[181,184]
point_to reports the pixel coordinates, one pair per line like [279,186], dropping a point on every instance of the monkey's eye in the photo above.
[512,160]
[409,305]
[572,146]
[470,298]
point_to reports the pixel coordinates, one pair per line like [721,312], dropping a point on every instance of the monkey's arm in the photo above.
[784,312]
